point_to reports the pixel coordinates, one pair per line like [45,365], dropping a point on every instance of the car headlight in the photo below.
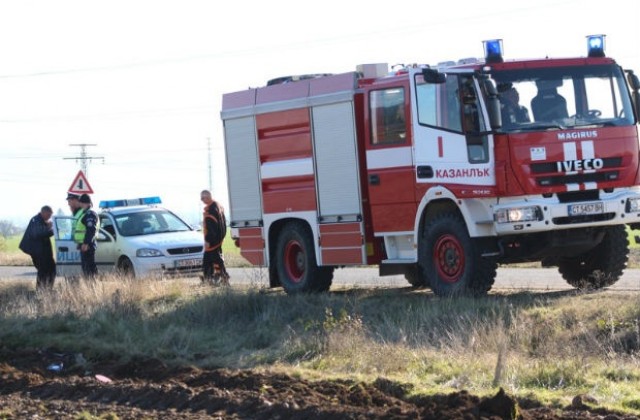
[633,205]
[518,214]
[148,252]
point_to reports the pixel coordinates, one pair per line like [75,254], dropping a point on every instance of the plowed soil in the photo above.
[30,387]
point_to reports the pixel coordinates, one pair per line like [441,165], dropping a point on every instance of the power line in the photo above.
[148,113]
[439,21]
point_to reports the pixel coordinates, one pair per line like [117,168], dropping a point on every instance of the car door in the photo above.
[67,253]
[106,252]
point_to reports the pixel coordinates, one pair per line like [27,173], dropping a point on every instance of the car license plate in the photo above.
[586,208]
[192,262]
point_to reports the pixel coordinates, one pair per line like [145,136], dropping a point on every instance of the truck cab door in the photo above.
[453,146]
[390,173]
[66,252]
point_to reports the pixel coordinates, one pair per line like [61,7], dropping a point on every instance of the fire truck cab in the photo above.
[438,172]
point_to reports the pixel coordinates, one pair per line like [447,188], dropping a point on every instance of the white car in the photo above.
[136,238]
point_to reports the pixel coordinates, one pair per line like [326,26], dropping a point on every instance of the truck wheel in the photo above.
[414,276]
[296,262]
[125,268]
[450,259]
[600,267]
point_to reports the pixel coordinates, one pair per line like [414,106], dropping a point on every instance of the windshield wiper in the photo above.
[535,127]
[605,123]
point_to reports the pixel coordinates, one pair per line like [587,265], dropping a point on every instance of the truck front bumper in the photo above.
[533,214]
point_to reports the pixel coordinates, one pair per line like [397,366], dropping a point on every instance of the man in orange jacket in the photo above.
[214,226]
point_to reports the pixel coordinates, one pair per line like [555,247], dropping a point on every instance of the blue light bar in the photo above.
[595,45]
[493,51]
[108,204]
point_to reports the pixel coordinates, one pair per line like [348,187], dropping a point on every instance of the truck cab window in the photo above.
[454,106]
[439,105]
[388,121]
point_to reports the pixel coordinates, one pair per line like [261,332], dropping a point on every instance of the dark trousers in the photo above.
[88,262]
[210,260]
[46,267]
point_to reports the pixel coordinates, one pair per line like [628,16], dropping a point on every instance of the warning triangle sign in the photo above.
[80,185]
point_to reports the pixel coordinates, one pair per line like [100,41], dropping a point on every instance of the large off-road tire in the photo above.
[451,261]
[600,267]
[414,276]
[296,264]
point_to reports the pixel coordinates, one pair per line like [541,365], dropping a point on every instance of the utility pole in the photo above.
[84,159]
[209,157]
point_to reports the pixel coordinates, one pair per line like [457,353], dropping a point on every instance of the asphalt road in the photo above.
[507,279]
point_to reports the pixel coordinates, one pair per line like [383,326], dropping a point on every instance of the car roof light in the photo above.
[493,51]
[125,202]
[595,45]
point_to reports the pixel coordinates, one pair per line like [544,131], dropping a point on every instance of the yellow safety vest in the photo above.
[79,229]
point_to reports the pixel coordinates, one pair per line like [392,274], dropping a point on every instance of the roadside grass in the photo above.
[548,346]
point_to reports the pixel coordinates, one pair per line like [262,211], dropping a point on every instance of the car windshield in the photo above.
[149,223]
[563,97]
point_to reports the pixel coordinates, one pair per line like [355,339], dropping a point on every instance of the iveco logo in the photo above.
[579,165]
[576,135]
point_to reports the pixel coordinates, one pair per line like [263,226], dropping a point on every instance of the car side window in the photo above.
[64,228]
[107,224]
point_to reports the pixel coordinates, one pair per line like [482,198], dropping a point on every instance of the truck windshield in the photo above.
[563,97]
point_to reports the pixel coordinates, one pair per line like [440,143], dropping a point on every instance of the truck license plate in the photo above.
[192,262]
[586,208]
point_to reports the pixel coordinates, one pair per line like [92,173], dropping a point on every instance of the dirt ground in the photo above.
[30,387]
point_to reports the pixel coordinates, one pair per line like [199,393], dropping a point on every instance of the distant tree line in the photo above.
[8,228]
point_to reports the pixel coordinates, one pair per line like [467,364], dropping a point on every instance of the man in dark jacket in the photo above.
[36,242]
[214,226]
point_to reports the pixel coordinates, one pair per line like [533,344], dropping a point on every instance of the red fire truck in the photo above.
[439,173]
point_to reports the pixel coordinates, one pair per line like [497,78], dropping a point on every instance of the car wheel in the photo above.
[125,268]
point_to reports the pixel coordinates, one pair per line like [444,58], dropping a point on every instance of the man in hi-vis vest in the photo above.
[85,231]
[214,226]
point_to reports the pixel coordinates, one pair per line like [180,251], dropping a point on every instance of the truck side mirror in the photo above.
[634,83]
[493,104]
[433,76]
[633,79]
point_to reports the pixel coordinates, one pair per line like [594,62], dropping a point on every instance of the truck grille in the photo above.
[548,181]
[578,196]
[547,167]
[185,250]
[555,178]
[569,220]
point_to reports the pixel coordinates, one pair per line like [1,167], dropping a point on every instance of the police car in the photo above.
[137,238]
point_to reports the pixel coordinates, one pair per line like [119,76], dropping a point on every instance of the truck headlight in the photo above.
[518,214]
[148,252]
[633,205]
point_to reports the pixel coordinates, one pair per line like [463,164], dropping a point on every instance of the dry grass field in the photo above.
[174,348]
[353,351]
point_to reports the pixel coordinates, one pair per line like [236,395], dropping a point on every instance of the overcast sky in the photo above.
[143,80]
